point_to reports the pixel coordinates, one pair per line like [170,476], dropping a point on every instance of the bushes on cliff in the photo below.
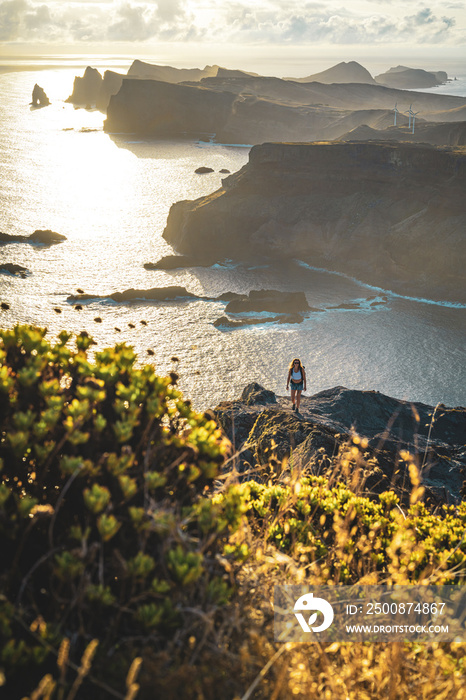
[339,537]
[102,464]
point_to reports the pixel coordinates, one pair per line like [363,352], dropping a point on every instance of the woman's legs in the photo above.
[298,399]
[293,394]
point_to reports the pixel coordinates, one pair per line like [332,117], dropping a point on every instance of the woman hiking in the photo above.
[297,380]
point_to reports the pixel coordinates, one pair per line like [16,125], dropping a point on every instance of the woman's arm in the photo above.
[304,378]
[288,379]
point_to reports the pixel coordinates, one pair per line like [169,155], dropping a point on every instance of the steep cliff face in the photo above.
[393,215]
[163,109]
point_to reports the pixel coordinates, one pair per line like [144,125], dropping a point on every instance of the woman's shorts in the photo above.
[296,387]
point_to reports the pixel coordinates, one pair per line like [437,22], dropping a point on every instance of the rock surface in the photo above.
[40,237]
[392,215]
[262,427]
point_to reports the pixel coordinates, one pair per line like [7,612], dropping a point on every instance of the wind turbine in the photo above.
[413,114]
[396,112]
[410,112]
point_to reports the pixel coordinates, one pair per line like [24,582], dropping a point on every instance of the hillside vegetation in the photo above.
[136,563]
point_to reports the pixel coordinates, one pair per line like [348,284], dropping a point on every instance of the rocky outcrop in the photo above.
[174,262]
[171,293]
[94,91]
[269,300]
[392,215]
[351,72]
[288,305]
[255,395]
[264,431]
[86,90]
[39,237]
[39,98]
[13,269]
[411,78]
[224,322]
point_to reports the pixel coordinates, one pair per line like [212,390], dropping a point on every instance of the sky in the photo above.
[242,34]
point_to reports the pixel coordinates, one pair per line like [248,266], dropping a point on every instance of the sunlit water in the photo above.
[110,196]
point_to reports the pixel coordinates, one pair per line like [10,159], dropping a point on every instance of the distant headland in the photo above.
[233,106]
[392,215]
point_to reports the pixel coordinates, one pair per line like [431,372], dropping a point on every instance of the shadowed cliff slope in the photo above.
[154,107]
[393,215]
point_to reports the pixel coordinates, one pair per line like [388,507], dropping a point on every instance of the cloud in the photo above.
[38,18]
[135,23]
[11,15]
[286,22]
[170,10]
[316,23]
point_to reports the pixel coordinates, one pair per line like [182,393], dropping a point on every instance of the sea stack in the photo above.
[39,98]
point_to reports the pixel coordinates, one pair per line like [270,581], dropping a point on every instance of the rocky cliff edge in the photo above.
[337,424]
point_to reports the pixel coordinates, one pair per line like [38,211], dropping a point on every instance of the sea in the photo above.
[110,195]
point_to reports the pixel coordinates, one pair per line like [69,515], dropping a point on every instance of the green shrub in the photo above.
[102,466]
[338,536]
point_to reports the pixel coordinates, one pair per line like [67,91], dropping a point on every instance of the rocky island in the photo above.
[392,215]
